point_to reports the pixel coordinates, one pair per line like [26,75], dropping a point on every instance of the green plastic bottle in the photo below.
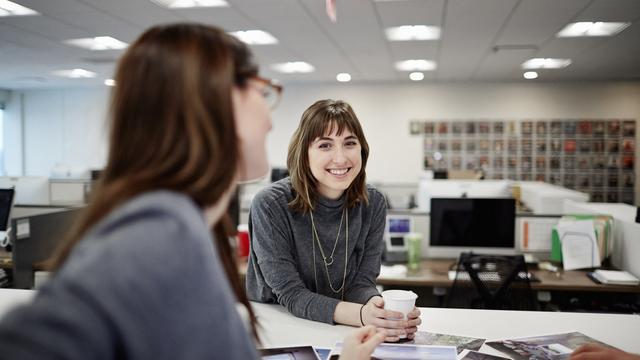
[413,241]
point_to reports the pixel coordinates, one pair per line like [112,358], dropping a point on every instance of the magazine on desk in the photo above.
[546,347]
[425,345]
[460,342]
[290,353]
[475,355]
[388,351]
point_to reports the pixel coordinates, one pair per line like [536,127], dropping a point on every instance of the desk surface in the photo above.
[280,328]
[283,329]
[433,273]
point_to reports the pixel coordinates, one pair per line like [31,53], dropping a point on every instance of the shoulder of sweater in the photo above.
[375,196]
[162,203]
[277,192]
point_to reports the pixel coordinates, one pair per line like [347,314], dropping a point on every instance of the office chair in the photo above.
[497,282]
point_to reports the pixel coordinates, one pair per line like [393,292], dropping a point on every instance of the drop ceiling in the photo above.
[481,40]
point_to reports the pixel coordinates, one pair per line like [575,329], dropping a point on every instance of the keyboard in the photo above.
[489,276]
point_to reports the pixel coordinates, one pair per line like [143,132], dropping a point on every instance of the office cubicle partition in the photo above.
[36,233]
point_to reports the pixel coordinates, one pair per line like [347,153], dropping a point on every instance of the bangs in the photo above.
[329,123]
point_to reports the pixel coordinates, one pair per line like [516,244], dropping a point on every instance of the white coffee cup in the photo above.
[402,301]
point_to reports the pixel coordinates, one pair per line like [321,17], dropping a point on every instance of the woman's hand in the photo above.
[361,343]
[392,322]
[597,352]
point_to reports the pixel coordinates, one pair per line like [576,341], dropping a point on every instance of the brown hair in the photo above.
[324,116]
[172,127]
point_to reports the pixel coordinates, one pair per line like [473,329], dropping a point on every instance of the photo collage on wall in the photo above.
[592,156]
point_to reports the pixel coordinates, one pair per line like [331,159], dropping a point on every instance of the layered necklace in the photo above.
[328,260]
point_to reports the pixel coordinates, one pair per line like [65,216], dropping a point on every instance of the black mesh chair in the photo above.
[497,282]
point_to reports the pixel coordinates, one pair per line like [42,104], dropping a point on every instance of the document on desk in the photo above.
[545,347]
[535,233]
[460,342]
[579,246]
[387,351]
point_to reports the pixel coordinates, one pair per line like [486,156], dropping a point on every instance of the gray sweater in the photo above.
[145,283]
[281,266]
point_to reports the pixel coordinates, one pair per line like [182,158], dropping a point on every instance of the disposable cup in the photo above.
[402,301]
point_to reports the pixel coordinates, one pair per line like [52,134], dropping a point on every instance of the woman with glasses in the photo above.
[317,236]
[147,273]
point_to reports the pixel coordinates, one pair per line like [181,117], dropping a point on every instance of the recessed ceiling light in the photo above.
[592,29]
[530,75]
[293,67]
[343,77]
[191,3]
[416,76]
[546,63]
[75,73]
[98,43]
[416,65]
[8,8]
[255,37]
[413,32]
[110,82]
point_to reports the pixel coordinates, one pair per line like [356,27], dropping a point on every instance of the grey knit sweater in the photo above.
[145,283]
[281,259]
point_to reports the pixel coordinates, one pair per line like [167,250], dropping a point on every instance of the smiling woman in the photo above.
[316,237]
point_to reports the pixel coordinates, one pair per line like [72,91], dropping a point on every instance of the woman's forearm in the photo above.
[347,313]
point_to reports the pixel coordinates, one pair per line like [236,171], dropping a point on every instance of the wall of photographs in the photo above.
[592,156]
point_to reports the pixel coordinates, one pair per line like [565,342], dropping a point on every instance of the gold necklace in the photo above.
[315,232]
[314,236]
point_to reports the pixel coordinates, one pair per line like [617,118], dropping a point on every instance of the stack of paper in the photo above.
[579,244]
[615,277]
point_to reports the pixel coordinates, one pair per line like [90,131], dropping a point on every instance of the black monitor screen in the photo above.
[6,200]
[467,222]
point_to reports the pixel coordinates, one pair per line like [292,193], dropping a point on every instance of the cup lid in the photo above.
[399,295]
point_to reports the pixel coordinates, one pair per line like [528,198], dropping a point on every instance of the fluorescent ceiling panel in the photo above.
[8,8]
[416,76]
[416,65]
[588,29]
[177,4]
[98,43]
[546,63]
[343,77]
[75,73]
[413,32]
[255,37]
[293,67]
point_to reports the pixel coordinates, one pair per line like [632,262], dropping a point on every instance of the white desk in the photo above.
[9,298]
[282,329]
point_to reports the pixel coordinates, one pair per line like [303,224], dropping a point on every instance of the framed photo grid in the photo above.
[592,156]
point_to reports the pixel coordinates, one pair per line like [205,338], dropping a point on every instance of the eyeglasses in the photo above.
[271,91]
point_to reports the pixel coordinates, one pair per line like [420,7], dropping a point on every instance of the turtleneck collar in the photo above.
[331,203]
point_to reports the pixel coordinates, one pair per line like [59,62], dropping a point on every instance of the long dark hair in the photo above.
[172,127]
[323,116]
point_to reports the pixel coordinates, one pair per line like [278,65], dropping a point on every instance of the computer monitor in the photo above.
[432,189]
[481,225]
[396,247]
[397,227]
[6,203]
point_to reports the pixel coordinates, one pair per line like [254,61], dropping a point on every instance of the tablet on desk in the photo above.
[290,353]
